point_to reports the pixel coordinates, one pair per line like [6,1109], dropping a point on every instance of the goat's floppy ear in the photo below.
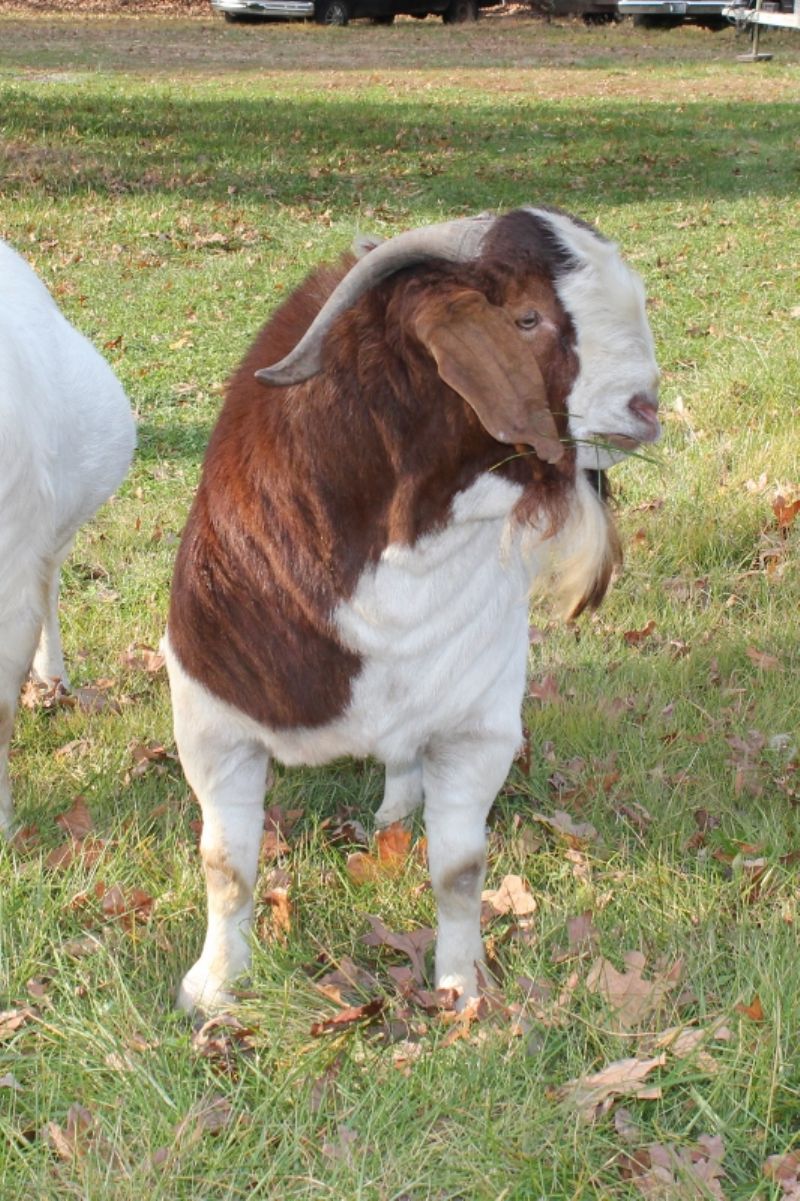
[480,354]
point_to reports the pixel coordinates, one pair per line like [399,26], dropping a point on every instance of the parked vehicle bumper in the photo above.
[671,8]
[265,8]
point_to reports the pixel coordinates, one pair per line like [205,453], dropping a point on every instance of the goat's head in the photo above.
[537,323]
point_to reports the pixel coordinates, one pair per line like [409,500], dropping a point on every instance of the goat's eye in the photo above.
[528,320]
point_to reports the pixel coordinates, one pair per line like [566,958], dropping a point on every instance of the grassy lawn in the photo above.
[171,179]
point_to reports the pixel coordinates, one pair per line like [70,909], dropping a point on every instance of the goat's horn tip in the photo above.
[267,375]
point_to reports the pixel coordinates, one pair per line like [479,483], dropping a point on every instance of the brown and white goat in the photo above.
[355,571]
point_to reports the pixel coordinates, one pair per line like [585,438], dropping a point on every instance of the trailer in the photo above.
[753,15]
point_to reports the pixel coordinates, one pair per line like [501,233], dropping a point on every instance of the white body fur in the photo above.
[66,439]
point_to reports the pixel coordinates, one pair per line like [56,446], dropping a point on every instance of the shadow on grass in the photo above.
[339,153]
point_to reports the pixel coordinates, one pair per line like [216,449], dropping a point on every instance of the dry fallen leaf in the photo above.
[392,847]
[414,944]
[785,510]
[633,637]
[347,984]
[340,1146]
[12,1019]
[221,1040]
[632,998]
[126,904]
[785,1171]
[147,756]
[595,1095]
[88,851]
[461,1021]
[141,657]
[576,834]
[76,821]
[545,690]
[80,1137]
[352,1016]
[762,659]
[754,1011]
[277,897]
[513,896]
[670,1173]
[549,1008]
[582,939]
[687,1042]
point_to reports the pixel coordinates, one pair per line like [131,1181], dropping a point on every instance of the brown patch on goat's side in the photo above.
[304,487]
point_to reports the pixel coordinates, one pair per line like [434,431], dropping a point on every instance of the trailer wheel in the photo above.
[332,12]
[460,11]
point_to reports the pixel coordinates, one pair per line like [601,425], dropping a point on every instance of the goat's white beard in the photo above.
[566,569]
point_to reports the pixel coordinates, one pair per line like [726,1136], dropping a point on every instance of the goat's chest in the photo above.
[441,630]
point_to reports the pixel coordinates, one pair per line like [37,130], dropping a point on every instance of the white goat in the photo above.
[66,439]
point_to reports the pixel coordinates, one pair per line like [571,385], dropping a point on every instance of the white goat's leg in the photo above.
[402,792]
[461,778]
[18,633]
[48,662]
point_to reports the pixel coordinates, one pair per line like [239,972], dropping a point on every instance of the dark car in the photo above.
[339,12]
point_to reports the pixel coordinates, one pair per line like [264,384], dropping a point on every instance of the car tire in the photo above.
[332,12]
[460,11]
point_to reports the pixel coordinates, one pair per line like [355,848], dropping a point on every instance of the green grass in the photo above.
[171,180]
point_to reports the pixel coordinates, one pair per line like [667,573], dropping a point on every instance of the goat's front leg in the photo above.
[461,780]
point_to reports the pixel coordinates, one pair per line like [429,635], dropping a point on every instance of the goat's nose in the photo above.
[644,404]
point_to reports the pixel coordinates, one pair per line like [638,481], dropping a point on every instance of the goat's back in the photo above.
[67,430]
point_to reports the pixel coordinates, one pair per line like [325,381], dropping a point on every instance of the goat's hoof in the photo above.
[203,993]
[388,816]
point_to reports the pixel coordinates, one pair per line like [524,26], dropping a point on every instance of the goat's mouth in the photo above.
[619,441]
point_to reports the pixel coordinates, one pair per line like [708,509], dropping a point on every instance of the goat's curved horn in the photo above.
[456,241]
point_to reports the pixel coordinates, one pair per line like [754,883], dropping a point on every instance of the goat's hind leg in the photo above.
[48,661]
[402,792]
[228,773]
[18,634]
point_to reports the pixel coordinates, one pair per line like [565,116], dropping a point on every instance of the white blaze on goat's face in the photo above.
[612,404]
